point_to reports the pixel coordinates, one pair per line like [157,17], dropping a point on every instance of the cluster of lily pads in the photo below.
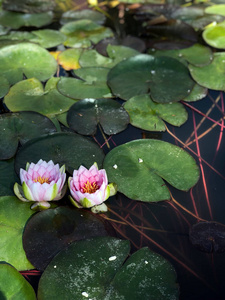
[58,87]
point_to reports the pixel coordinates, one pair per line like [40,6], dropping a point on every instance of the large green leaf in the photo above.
[13,217]
[91,85]
[8,177]
[28,59]
[29,95]
[66,148]
[92,269]
[218,9]
[13,285]
[82,33]
[211,76]
[16,20]
[48,38]
[52,230]
[166,78]
[21,127]
[214,35]
[139,167]
[146,114]
[85,115]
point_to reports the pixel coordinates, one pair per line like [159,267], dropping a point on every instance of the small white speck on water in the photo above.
[111,258]
[85,294]
[179,54]
[93,155]
[146,262]
[96,105]
[60,109]
[140,160]
[81,215]
[189,91]
[55,267]
[153,71]
[115,166]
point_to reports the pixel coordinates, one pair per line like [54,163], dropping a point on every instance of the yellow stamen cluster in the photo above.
[90,187]
[41,180]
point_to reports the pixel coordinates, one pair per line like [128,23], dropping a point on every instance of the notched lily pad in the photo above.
[208,237]
[93,269]
[52,230]
[13,285]
[86,114]
[212,75]
[26,59]
[16,20]
[143,74]
[82,33]
[146,114]
[66,148]
[13,217]
[21,127]
[92,84]
[29,95]
[139,167]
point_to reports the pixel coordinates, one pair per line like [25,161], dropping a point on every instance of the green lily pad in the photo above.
[16,20]
[88,14]
[8,177]
[86,114]
[91,58]
[215,35]
[198,92]
[13,217]
[48,38]
[139,167]
[93,269]
[218,9]
[29,95]
[28,59]
[21,127]
[82,33]
[13,285]
[28,6]
[18,36]
[91,85]
[144,74]
[211,76]
[4,87]
[197,54]
[66,148]
[146,114]
[52,230]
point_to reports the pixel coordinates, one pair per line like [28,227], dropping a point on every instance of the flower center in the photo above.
[42,180]
[90,188]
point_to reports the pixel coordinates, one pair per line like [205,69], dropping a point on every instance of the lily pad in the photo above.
[139,167]
[14,129]
[91,85]
[143,74]
[13,217]
[69,59]
[88,14]
[91,58]
[13,285]
[66,148]
[28,59]
[214,35]
[146,114]
[197,54]
[218,9]
[211,76]
[8,177]
[208,237]
[85,115]
[29,95]
[48,38]
[31,6]
[76,273]
[198,92]
[4,87]
[52,230]
[16,20]
[82,33]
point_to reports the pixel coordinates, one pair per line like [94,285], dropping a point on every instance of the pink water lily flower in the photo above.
[89,188]
[41,182]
